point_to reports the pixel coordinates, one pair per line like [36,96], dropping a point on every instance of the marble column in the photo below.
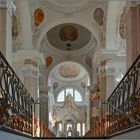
[25,23]
[6,11]
[81,128]
[109,81]
[102,83]
[133,33]
[31,82]
[113,11]
[44,108]
[88,110]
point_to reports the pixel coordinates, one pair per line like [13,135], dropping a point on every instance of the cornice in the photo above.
[76,53]
[9,5]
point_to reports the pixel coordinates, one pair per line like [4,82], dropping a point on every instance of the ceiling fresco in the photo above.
[68,32]
[68,37]
[69,70]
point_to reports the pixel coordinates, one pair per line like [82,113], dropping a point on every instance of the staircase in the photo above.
[121,112]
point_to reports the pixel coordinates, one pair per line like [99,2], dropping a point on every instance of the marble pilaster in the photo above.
[7,8]
[31,82]
[109,81]
[133,33]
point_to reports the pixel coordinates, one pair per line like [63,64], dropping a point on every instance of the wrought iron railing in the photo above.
[123,106]
[120,112]
[122,109]
[15,101]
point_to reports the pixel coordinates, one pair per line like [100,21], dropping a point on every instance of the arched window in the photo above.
[60,127]
[78,97]
[79,129]
[61,96]
[69,133]
[69,126]
[83,129]
[69,91]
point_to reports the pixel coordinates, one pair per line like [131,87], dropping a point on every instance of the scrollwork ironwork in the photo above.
[15,101]
[124,102]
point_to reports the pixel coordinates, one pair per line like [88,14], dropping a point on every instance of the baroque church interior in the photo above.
[69,68]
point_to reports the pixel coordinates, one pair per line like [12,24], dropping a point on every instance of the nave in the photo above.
[69,69]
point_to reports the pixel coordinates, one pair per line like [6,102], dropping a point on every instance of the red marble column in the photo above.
[133,34]
[6,31]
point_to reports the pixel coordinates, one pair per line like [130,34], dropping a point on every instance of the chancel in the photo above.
[69,69]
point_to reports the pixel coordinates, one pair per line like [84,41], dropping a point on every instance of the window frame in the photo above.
[65,95]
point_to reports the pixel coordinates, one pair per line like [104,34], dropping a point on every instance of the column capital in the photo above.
[28,69]
[134,3]
[30,56]
[31,70]
[110,71]
[9,5]
[36,72]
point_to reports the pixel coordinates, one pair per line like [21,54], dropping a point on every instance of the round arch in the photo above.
[46,27]
[56,65]
[73,91]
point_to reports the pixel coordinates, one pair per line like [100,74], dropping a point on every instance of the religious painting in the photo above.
[38,16]
[68,32]
[88,61]
[99,15]
[49,61]
[69,70]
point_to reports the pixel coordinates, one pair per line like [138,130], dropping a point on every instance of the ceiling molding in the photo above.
[76,53]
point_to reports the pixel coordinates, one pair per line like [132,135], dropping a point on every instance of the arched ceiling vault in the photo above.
[88,19]
[68,72]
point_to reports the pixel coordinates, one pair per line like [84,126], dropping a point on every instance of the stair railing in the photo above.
[123,106]
[15,101]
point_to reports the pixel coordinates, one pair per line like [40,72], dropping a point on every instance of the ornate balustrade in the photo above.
[122,109]
[123,106]
[120,112]
[15,101]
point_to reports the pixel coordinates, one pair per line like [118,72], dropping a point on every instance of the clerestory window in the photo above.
[69,91]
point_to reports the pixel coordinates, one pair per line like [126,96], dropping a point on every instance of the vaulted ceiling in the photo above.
[68,31]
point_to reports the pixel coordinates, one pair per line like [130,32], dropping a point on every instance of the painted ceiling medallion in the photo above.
[69,70]
[49,61]
[99,15]
[68,32]
[122,27]
[38,16]
[68,36]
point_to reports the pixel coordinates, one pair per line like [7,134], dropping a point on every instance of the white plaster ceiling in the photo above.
[69,6]
[68,2]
